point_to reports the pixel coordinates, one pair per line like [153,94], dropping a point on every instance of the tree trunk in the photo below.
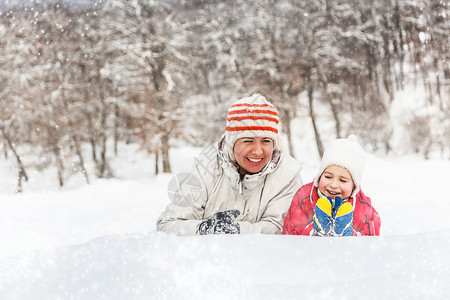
[22,173]
[165,152]
[287,126]
[60,172]
[334,108]
[74,135]
[103,168]
[164,130]
[313,119]
[157,161]
[398,47]
[335,112]
[93,150]
[438,84]
[59,164]
[5,151]
[387,68]
[80,156]
[289,137]
[91,130]
[116,127]
[92,137]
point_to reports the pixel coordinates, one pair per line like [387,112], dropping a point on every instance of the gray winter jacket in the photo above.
[262,199]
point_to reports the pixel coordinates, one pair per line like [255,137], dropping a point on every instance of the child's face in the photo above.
[335,182]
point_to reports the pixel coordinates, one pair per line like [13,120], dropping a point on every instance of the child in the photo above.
[333,204]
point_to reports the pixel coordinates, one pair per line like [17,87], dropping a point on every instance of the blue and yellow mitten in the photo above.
[343,218]
[322,217]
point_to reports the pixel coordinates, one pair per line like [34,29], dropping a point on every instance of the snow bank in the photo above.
[160,266]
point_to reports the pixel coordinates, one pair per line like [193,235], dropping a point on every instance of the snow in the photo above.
[99,241]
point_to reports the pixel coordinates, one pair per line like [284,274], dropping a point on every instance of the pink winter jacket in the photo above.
[299,219]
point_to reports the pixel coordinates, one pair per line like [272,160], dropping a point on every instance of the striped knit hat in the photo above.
[251,117]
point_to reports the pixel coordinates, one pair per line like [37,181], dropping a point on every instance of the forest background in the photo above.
[77,80]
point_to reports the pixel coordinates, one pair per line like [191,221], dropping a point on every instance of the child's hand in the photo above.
[322,218]
[343,219]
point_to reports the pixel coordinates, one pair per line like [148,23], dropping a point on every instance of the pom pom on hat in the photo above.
[252,116]
[346,153]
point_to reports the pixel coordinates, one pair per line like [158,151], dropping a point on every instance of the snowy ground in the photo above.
[99,241]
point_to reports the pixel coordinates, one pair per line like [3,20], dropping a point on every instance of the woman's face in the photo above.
[335,182]
[253,153]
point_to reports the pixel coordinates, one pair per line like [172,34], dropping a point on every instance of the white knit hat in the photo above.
[345,153]
[252,116]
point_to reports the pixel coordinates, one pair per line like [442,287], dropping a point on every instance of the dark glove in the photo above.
[221,222]
[343,218]
[322,217]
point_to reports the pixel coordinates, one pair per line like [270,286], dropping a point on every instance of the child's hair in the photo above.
[345,153]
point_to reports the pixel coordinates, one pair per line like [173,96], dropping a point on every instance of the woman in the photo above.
[247,186]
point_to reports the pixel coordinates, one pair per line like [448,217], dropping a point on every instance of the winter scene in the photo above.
[224,149]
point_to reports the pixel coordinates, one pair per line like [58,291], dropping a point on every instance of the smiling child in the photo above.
[334,204]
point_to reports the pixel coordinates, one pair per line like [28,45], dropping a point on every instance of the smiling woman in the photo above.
[252,154]
[245,186]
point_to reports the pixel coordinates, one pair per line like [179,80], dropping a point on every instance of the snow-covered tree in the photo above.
[157,72]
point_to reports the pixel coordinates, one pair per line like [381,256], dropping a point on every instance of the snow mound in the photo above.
[160,266]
